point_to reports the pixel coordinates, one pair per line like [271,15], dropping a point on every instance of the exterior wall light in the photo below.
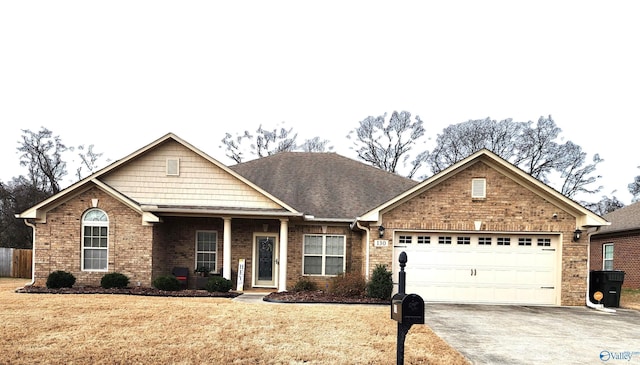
[381,231]
[576,235]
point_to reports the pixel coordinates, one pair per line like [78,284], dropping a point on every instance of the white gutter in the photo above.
[33,252]
[366,229]
[590,304]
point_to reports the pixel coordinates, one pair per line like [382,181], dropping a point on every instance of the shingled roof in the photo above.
[622,220]
[325,185]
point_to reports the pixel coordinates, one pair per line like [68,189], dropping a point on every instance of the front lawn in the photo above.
[131,329]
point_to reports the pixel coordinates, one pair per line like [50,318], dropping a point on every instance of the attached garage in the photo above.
[481,268]
[484,231]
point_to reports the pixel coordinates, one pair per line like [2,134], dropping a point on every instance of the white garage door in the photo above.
[473,268]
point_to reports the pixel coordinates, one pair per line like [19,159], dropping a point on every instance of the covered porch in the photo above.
[254,247]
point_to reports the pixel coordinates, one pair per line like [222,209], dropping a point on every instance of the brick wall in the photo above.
[174,245]
[626,256]
[59,241]
[508,207]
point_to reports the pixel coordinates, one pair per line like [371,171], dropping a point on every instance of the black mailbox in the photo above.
[407,308]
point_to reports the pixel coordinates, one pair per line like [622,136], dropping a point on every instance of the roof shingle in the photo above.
[325,185]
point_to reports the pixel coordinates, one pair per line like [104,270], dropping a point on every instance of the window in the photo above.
[323,255]
[478,188]
[95,240]
[524,241]
[173,167]
[607,256]
[444,240]
[464,240]
[504,241]
[546,242]
[206,250]
[484,241]
[405,239]
[424,240]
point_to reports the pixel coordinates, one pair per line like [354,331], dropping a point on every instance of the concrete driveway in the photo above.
[487,334]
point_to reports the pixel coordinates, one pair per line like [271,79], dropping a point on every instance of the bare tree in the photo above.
[88,160]
[577,176]
[538,153]
[634,188]
[535,148]
[458,141]
[387,143]
[265,142]
[315,144]
[605,205]
[42,155]
[270,142]
[16,196]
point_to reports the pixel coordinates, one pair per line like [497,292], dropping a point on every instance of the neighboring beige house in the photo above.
[481,231]
[617,247]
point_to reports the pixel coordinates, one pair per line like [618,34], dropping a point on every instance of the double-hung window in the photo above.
[95,240]
[607,256]
[323,255]
[206,250]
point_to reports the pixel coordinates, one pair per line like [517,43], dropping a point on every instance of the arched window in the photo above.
[95,243]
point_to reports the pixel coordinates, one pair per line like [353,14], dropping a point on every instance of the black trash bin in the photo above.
[607,282]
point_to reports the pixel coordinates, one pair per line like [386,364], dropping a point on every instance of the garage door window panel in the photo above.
[464,240]
[484,241]
[444,240]
[504,241]
[544,242]
[524,241]
[424,240]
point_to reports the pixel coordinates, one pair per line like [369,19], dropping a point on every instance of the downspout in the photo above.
[33,252]
[366,229]
[590,304]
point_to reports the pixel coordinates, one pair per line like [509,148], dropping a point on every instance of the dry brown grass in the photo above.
[630,298]
[123,329]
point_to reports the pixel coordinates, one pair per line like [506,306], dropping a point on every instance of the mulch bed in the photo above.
[320,296]
[127,291]
[317,296]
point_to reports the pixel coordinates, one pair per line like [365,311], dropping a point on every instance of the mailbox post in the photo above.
[406,309]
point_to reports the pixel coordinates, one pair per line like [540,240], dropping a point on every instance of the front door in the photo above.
[265,255]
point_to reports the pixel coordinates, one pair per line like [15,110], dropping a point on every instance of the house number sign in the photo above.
[381,243]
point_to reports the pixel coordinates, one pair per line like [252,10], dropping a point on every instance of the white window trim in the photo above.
[324,253]
[171,163]
[83,248]
[479,188]
[604,259]
[215,263]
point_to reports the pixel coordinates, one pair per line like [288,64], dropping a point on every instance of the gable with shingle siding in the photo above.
[199,183]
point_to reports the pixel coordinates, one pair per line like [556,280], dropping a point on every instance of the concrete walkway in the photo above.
[251,297]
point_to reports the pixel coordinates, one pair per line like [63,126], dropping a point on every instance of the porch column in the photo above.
[226,244]
[284,240]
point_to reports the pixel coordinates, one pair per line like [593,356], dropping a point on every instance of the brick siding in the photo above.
[508,207]
[626,256]
[59,241]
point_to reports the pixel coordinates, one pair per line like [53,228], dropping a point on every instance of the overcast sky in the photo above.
[120,74]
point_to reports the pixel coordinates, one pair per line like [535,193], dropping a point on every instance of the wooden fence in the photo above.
[15,263]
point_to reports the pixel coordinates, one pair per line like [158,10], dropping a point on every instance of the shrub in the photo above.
[218,284]
[305,284]
[166,282]
[381,284]
[114,280]
[60,279]
[348,285]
